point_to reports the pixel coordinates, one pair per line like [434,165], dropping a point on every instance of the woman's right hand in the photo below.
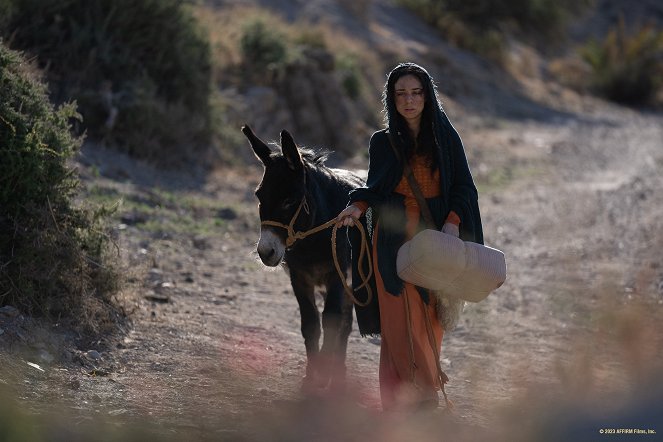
[348,215]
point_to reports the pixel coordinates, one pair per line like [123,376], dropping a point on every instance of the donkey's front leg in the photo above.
[310,322]
[336,325]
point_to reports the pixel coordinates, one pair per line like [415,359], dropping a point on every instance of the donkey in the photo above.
[297,189]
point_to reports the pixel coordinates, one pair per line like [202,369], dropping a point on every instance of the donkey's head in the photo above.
[280,193]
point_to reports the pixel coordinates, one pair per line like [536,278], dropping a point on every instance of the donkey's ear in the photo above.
[261,150]
[290,151]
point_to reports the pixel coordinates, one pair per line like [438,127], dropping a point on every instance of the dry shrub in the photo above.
[482,26]
[263,50]
[360,9]
[572,72]
[627,67]
[225,29]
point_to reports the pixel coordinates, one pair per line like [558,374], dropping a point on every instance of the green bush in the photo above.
[128,63]
[350,75]
[627,68]
[262,48]
[53,256]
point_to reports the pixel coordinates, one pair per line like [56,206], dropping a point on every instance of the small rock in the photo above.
[201,243]
[134,218]
[1,331]
[510,304]
[93,355]
[155,275]
[160,299]
[375,340]
[9,311]
[46,356]
[188,276]
[226,213]
[35,366]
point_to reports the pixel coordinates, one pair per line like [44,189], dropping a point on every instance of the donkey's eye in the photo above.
[288,203]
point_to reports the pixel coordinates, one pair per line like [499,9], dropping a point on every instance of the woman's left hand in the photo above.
[348,215]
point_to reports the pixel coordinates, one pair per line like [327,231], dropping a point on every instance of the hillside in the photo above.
[569,190]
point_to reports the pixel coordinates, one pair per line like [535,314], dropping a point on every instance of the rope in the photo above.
[364,252]
[441,374]
[408,320]
[443,378]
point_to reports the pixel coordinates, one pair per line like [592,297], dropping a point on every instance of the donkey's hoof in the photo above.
[313,384]
[338,385]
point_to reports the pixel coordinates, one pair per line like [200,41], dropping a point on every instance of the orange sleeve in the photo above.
[361,205]
[453,218]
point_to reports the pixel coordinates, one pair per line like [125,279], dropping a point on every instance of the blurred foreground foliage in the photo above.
[54,257]
[18,424]
[138,69]
[627,67]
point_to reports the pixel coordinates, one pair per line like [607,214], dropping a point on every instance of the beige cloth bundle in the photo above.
[457,268]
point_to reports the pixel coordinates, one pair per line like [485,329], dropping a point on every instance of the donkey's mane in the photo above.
[312,156]
[316,156]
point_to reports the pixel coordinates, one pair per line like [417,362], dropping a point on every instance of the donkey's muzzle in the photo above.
[270,248]
[269,257]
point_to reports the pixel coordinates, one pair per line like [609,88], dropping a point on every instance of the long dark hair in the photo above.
[426,143]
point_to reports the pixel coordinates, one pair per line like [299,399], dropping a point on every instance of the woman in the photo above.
[408,318]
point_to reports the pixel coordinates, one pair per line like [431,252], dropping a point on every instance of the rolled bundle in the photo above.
[457,268]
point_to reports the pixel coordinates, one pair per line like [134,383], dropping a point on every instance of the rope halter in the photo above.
[364,251]
[290,227]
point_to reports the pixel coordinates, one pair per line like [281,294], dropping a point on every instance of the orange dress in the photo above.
[408,362]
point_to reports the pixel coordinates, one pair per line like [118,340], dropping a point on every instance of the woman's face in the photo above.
[409,96]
